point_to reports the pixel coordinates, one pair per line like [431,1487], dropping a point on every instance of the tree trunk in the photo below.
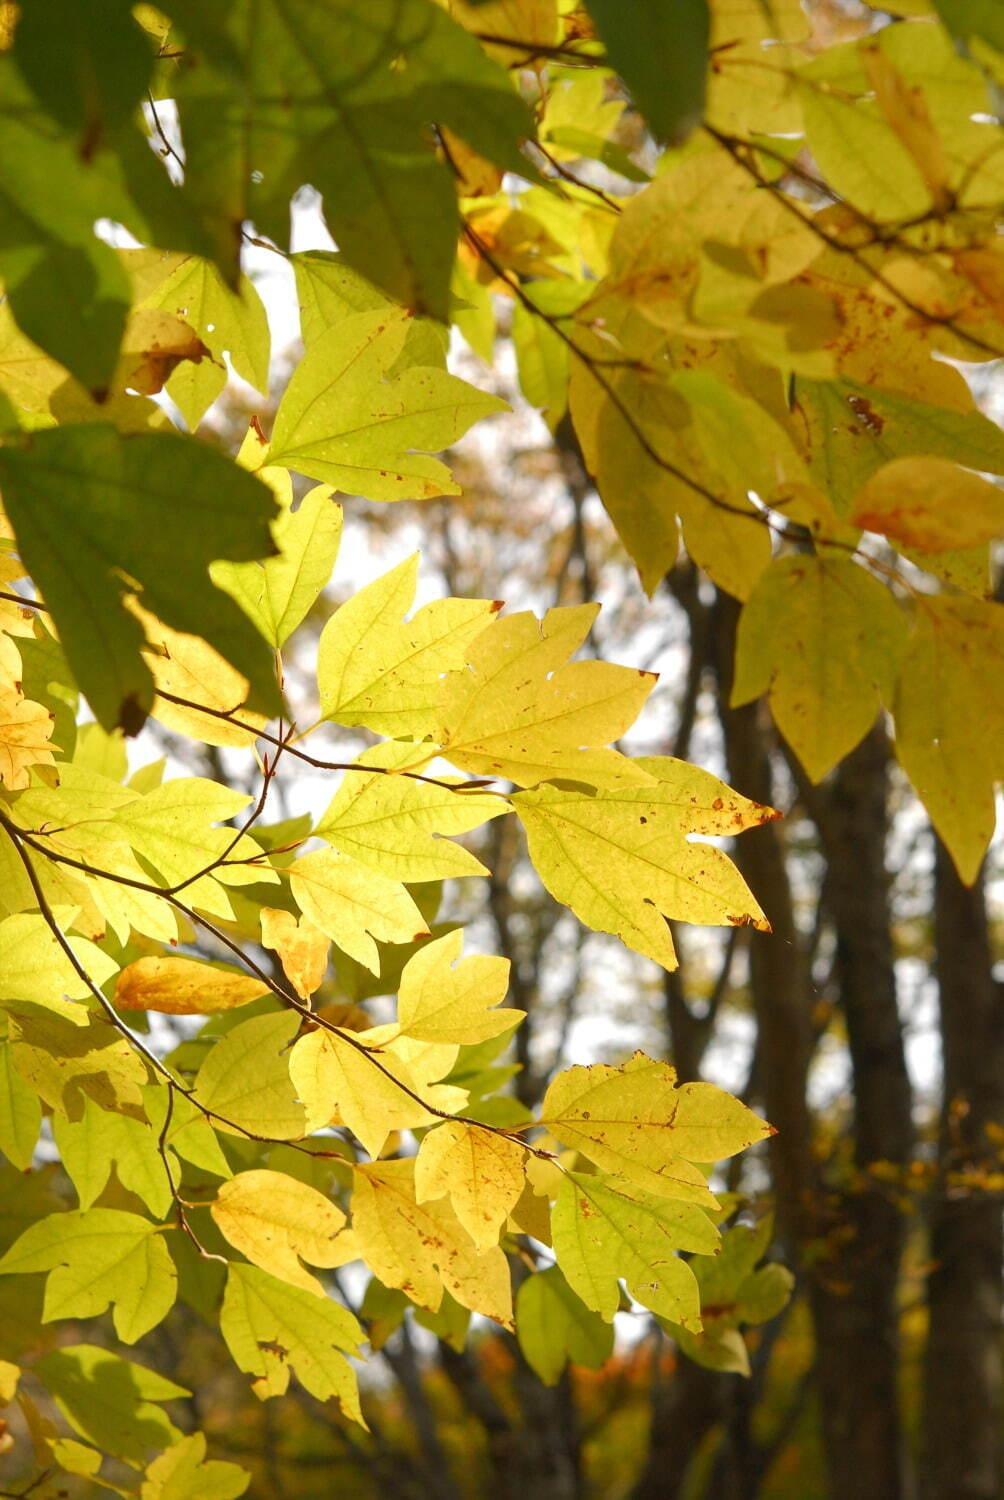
[854,1288]
[961,1440]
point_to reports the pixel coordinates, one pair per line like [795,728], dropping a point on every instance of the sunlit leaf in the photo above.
[96,1258]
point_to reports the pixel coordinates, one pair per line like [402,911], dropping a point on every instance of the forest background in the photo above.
[725,309]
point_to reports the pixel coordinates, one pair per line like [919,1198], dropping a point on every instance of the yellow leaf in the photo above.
[373,1092]
[950,722]
[483,1174]
[930,504]
[519,709]
[353,905]
[188,667]
[905,111]
[25,736]
[823,637]
[376,668]
[443,1000]
[395,824]
[302,948]
[278,1223]
[622,861]
[635,1121]
[184,987]
[422,1248]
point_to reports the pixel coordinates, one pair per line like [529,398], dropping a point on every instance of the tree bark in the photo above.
[854,1287]
[962,1417]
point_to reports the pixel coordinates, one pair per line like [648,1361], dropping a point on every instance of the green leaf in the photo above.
[110,1401]
[273,1329]
[88,65]
[341,96]
[554,1326]
[101,1138]
[20,1113]
[346,421]
[661,52]
[96,1258]
[605,1230]
[245,1079]
[278,593]
[184,1473]
[969,18]
[949,720]
[823,637]
[92,507]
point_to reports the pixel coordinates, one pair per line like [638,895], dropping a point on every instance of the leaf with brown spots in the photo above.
[422,1248]
[606,1229]
[634,1120]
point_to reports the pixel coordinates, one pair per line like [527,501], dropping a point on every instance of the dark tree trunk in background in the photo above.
[854,1288]
[962,1458]
[779,977]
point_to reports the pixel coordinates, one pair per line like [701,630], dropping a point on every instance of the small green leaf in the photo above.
[554,1325]
[20,1113]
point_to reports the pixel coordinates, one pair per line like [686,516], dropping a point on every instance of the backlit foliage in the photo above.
[754,334]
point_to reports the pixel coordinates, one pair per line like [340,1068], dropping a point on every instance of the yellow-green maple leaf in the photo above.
[272,1329]
[354,906]
[344,421]
[277,593]
[520,709]
[635,1121]
[621,859]
[95,1258]
[397,824]
[605,1229]
[379,669]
